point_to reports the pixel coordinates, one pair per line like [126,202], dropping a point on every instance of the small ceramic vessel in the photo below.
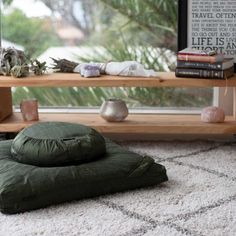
[114,110]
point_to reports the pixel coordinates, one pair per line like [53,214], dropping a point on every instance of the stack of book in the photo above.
[194,63]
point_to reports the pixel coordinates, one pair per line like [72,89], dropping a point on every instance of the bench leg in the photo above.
[5,103]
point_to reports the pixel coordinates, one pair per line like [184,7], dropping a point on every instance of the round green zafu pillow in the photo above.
[57,144]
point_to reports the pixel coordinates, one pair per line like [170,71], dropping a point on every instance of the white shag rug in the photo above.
[199,199]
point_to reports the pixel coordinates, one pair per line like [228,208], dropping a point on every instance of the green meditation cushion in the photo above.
[57,144]
[25,186]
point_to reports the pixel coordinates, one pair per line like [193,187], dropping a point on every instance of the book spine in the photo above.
[199,73]
[210,59]
[193,54]
[200,65]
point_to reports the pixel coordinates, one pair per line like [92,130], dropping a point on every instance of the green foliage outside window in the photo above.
[31,33]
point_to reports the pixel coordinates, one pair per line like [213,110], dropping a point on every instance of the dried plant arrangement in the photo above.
[64,65]
[38,67]
[13,62]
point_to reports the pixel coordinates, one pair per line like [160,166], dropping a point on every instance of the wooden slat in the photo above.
[135,124]
[165,79]
[5,103]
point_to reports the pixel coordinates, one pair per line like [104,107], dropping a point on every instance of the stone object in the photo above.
[90,71]
[29,110]
[114,110]
[212,115]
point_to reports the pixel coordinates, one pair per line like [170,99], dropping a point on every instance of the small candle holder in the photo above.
[29,110]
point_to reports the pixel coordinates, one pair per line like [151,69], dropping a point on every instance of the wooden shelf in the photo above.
[75,80]
[135,124]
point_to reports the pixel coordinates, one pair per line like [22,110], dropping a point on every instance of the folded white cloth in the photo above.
[125,68]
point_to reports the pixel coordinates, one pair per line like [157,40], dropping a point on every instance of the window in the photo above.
[101,30]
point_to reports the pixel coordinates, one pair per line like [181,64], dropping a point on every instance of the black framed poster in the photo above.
[208,25]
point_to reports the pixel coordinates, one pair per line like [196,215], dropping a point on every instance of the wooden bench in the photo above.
[135,123]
